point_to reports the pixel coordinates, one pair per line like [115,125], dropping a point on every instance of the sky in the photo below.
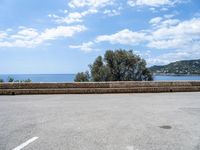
[65,36]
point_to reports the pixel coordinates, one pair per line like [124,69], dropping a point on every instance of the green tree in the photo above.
[82,77]
[120,65]
[99,71]
[1,80]
[10,79]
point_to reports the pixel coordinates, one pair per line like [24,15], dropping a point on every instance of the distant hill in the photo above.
[184,67]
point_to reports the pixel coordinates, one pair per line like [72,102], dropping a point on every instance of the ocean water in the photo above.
[176,78]
[70,77]
[41,77]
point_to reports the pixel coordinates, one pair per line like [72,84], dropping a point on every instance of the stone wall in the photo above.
[99,87]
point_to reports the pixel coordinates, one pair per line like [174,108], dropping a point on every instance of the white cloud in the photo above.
[125,36]
[25,34]
[90,3]
[155,21]
[70,18]
[164,9]
[61,31]
[168,34]
[177,35]
[65,11]
[166,58]
[3,35]
[177,39]
[112,12]
[152,3]
[169,16]
[89,7]
[86,47]
[29,37]
[170,22]
[159,22]
[53,16]
[73,17]
[182,39]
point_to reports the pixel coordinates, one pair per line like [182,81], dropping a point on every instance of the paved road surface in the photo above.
[165,121]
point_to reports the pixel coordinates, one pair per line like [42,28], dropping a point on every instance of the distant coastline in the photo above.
[178,68]
[70,77]
[173,74]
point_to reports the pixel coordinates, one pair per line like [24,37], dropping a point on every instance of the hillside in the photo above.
[184,67]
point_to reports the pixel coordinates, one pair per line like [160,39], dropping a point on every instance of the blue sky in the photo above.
[64,36]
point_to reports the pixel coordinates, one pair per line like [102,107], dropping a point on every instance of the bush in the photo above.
[82,77]
[119,65]
[10,79]
[1,80]
[27,80]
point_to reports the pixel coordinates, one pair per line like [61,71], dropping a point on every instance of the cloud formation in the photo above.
[30,37]
[90,3]
[176,35]
[125,37]
[176,38]
[166,34]
[72,17]
[85,47]
[152,3]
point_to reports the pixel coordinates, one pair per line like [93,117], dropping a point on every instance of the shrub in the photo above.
[27,80]
[82,77]
[10,79]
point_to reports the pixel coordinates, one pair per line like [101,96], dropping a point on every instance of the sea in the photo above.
[70,77]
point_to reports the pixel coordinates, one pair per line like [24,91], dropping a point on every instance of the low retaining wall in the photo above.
[99,87]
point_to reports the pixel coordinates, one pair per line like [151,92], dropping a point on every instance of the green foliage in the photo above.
[10,79]
[179,68]
[1,80]
[82,77]
[119,65]
[125,66]
[22,81]
[27,80]
[99,71]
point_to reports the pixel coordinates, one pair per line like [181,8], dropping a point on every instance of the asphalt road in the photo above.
[161,121]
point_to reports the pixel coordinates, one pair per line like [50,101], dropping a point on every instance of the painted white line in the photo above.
[25,143]
[131,148]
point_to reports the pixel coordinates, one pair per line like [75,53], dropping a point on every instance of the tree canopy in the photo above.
[118,65]
[82,77]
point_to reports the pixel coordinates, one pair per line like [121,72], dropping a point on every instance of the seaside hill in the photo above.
[184,67]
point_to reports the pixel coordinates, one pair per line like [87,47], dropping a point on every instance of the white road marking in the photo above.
[25,143]
[130,148]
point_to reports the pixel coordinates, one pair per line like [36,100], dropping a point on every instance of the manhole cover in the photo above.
[165,127]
